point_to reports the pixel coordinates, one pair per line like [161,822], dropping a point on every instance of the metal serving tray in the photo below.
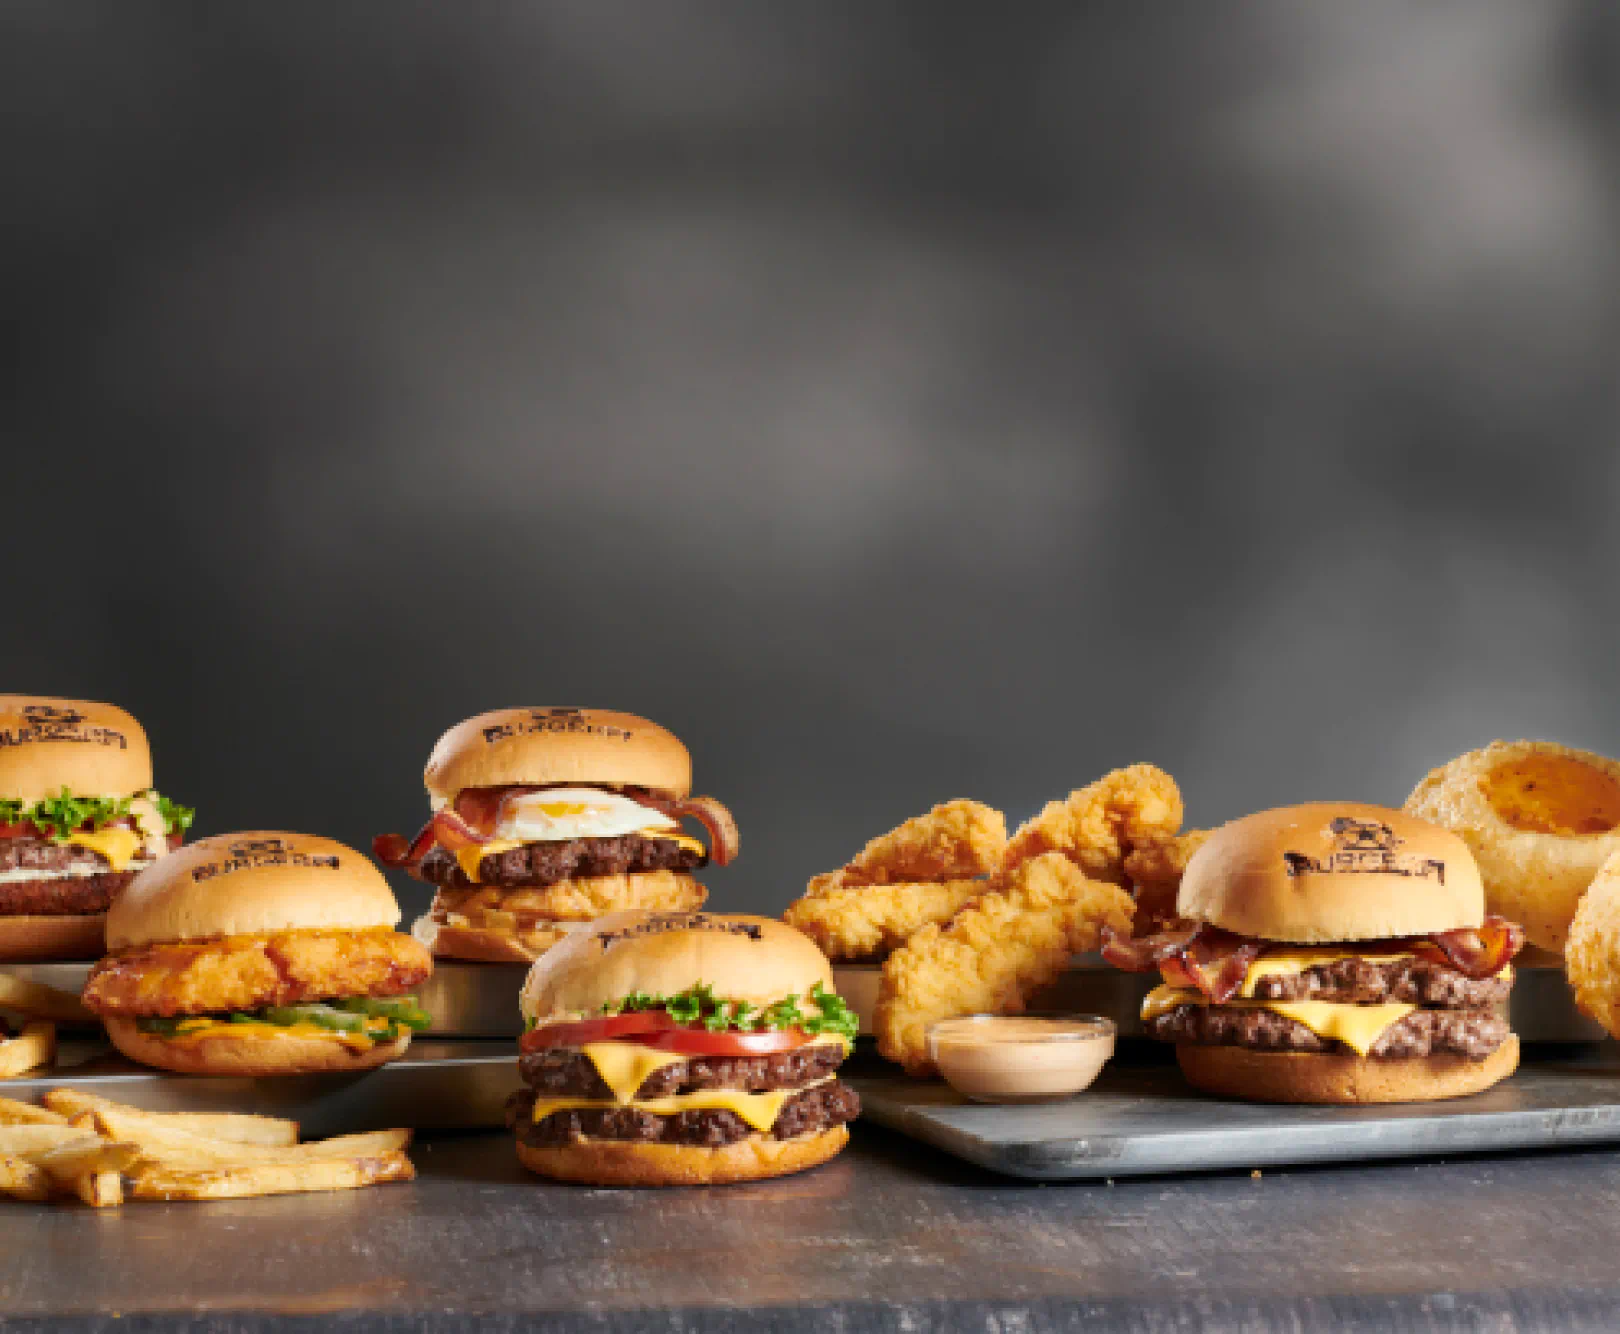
[1144,1120]
[436,1085]
[1540,1009]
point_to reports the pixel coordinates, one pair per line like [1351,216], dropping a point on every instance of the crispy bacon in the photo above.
[1216,962]
[1142,954]
[446,830]
[715,819]
[1476,953]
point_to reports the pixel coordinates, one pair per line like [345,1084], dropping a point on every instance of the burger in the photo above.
[1332,953]
[78,819]
[259,954]
[546,819]
[681,1049]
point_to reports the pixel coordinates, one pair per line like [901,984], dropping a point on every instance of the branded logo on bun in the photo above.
[1363,847]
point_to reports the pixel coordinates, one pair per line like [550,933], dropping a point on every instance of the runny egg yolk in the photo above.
[565,813]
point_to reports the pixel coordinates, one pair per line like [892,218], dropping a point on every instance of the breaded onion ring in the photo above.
[1540,819]
[1592,954]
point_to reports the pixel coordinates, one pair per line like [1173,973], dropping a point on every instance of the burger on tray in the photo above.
[1332,953]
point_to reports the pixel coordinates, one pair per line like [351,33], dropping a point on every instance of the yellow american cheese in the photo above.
[759,1110]
[1357,1026]
[117,844]
[197,1030]
[624,1066]
[1286,963]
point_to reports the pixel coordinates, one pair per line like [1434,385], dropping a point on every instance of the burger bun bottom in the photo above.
[605,1162]
[1340,1078]
[79,936]
[252,1057]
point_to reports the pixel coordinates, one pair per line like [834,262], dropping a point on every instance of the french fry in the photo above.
[38,1001]
[171,1144]
[269,1178]
[21,1179]
[26,1141]
[14,1113]
[234,1127]
[100,1190]
[85,1157]
[33,1047]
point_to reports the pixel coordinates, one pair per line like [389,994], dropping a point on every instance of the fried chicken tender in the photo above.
[1155,872]
[992,954]
[957,840]
[1098,826]
[251,972]
[861,923]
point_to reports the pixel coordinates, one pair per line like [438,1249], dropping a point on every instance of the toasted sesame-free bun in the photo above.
[605,1162]
[253,1057]
[558,745]
[1341,1077]
[743,958]
[77,936]
[93,750]
[1332,871]
[248,884]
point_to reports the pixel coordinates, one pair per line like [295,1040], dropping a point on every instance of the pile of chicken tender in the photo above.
[965,920]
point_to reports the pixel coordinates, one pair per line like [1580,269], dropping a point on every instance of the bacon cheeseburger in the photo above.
[545,819]
[681,1049]
[78,819]
[259,954]
[1332,953]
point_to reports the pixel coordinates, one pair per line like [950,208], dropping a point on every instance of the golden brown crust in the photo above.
[957,840]
[39,938]
[1330,871]
[599,1162]
[250,972]
[1097,826]
[93,750]
[576,900]
[599,747]
[484,944]
[865,922]
[991,955]
[1340,1078]
[1532,877]
[1592,954]
[253,1057]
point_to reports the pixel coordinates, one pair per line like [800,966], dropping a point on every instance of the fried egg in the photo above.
[558,813]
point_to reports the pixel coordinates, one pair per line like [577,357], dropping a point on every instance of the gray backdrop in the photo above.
[897,400]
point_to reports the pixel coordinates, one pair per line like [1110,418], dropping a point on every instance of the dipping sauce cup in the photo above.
[1021,1057]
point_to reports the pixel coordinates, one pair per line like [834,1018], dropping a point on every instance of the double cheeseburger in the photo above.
[681,1049]
[78,819]
[259,954]
[546,819]
[1332,953]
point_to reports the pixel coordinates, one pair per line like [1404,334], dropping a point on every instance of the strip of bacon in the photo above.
[1142,954]
[1216,963]
[1477,953]
[446,830]
[715,819]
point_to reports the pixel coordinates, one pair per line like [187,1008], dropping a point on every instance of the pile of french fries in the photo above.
[42,1008]
[82,1145]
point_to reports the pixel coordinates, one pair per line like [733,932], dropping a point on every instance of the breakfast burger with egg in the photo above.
[259,954]
[78,819]
[681,1049]
[1333,952]
[546,819]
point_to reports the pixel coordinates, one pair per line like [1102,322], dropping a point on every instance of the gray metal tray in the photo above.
[436,1085]
[1144,1120]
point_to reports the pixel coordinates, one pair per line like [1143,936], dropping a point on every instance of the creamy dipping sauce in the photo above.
[1021,1058]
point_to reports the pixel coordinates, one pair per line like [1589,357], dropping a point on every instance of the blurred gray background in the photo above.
[898,401]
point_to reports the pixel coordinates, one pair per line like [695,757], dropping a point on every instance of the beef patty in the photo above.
[807,1113]
[68,895]
[1471,1033]
[566,1072]
[567,859]
[1357,981]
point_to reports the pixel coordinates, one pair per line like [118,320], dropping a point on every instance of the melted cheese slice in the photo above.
[1288,963]
[117,844]
[468,858]
[1357,1026]
[199,1029]
[624,1066]
[758,1110]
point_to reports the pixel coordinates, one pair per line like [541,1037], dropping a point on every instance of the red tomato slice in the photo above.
[577,1033]
[23,830]
[701,1042]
